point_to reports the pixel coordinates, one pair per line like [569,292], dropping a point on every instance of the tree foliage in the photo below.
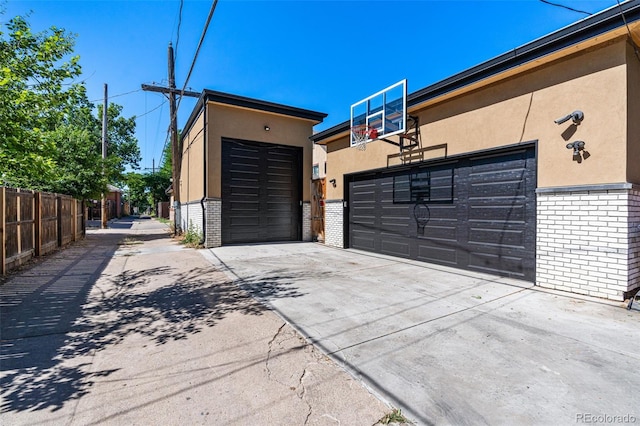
[50,134]
[144,190]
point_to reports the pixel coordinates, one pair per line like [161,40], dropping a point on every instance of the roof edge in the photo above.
[257,104]
[250,103]
[587,28]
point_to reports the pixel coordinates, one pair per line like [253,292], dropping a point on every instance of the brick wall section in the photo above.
[334,223]
[191,216]
[306,221]
[584,244]
[214,223]
[634,239]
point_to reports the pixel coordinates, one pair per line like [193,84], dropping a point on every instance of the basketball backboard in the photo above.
[384,113]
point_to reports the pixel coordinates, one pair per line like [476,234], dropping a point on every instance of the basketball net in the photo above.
[361,134]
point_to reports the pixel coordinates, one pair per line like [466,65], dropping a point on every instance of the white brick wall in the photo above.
[191,215]
[306,221]
[334,223]
[634,239]
[585,241]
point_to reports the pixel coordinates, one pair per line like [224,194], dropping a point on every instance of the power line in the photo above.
[118,95]
[157,131]
[566,7]
[183,91]
[635,47]
[72,83]
[164,145]
[151,110]
[179,24]
[195,56]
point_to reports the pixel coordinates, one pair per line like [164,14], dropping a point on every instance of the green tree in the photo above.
[145,190]
[50,138]
[122,146]
[32,100]
[136,192]
[162,180]
[157,185]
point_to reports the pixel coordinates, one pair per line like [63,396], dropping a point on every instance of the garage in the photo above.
[261,194]
[475,212]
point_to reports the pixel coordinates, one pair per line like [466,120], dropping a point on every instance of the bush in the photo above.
[192,236]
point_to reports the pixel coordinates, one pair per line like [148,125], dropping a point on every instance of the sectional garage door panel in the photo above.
[438,242]
[363,203]
[501,213]
[481,213]
[261,192]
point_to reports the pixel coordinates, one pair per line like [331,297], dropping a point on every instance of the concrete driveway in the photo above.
[449,346]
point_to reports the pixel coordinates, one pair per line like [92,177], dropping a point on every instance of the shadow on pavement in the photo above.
[47,359]
[277,285]
[40,304]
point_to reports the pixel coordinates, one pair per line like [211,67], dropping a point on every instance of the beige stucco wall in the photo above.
[320,158]
[245,124]
[633,114]
[523,108]
[191,173]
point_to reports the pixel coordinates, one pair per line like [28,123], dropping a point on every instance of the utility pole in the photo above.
[104,155]
[176,145]
[154,206]
[176,148]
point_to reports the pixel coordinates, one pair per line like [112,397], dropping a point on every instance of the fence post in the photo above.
[59,218]
[3,234]
[38,223]
[74,219]
[19,221]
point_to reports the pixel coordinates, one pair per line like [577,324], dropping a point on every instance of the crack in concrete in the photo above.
[300,389]
[275,336]
[302,394]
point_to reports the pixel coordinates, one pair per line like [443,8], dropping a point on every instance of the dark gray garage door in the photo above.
[261,192]
[475,213]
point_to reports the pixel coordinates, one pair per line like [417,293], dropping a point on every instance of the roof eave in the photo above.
[260,105]
[570,35]
[250,103]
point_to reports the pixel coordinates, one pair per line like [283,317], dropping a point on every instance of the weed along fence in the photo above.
[35,223]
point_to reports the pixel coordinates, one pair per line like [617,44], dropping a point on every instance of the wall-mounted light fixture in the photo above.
[333,182]
[576,116]
[577,147]
[266,128]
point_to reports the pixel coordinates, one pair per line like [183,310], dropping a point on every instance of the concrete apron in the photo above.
[450,346]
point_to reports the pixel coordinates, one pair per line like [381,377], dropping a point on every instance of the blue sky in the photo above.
[318,55]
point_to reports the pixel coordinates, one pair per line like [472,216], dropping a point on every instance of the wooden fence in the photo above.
[35,223]
[318,194]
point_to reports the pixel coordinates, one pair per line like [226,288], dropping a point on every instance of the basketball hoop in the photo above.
[422,215]
[361,134]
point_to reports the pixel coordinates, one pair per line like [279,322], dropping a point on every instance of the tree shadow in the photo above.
[276,285]
[46,371]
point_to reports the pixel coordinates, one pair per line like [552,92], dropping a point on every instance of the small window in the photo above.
[316,171]
[424,185]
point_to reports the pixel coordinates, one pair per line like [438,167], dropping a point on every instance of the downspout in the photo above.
[204,173]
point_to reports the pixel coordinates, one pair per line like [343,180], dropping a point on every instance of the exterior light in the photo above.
[576,116]
[577,147]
